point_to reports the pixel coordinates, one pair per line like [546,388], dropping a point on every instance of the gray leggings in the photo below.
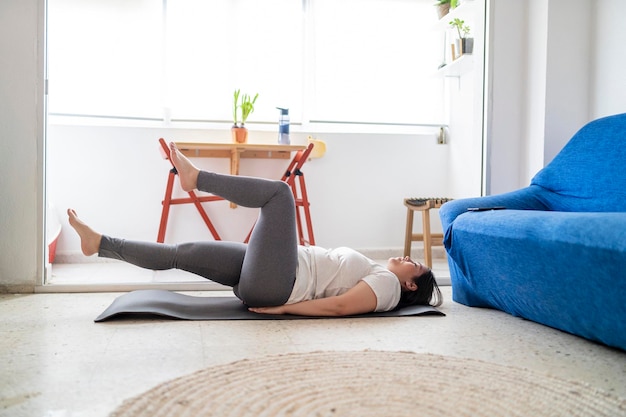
[261,273]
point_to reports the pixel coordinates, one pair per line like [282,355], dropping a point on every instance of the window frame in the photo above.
[307,124]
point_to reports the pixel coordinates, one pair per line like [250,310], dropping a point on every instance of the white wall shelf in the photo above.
[463,64]
[460,66]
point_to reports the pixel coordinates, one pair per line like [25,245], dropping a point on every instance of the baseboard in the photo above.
[77,257]
[17,289]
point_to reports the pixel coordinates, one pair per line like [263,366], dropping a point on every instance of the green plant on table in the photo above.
[244,103]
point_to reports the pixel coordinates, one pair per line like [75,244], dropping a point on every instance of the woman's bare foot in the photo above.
[89,239]
[187,172]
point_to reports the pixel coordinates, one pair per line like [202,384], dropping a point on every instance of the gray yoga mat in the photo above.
[187,307]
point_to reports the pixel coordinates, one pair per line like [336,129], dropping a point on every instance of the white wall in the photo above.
[115,178]
[568,72]
[532,131]
[506,78]
[21,140]
[608,58]
[553,67]
[466,118]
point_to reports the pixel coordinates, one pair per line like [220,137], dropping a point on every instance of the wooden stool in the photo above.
[430,239]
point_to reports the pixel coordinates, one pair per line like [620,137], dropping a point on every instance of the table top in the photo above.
[238,146]
[235,151]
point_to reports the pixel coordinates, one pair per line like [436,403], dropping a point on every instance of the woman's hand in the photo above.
[268,310]
[357,300]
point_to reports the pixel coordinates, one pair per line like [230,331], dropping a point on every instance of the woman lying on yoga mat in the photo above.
[272,274]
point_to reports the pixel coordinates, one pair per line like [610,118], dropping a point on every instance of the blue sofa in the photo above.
[557,254]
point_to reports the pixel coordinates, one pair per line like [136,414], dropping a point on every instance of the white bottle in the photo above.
[283,127]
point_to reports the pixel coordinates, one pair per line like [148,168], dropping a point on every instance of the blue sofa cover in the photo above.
[557,254]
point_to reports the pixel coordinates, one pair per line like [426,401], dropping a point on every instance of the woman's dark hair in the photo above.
[427,292]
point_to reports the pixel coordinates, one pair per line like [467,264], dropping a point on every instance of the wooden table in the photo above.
[236,151]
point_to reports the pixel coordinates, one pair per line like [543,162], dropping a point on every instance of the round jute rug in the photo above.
[369,383]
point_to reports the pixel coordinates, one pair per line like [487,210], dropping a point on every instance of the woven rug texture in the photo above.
[369,383]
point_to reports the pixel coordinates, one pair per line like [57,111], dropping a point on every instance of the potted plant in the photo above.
[244,105]
[444,6]
[464,44]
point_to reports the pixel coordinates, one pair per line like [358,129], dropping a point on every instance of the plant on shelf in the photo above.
[444,6]
[460,27]
[242,104]
[464,44]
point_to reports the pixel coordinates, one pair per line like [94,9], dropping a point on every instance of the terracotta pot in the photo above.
[240,134]
[443,9]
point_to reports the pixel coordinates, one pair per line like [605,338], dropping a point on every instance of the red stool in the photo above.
[301,198]
[193,198]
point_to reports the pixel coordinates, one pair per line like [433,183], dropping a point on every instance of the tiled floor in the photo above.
[56,362]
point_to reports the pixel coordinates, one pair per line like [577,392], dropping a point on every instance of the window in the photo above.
[104,57]
[217,46]
[364,61]
[374,61]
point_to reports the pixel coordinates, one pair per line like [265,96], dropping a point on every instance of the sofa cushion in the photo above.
[565,270]
[589,174]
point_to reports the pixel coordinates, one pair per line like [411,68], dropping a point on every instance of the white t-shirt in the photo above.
[326,272]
